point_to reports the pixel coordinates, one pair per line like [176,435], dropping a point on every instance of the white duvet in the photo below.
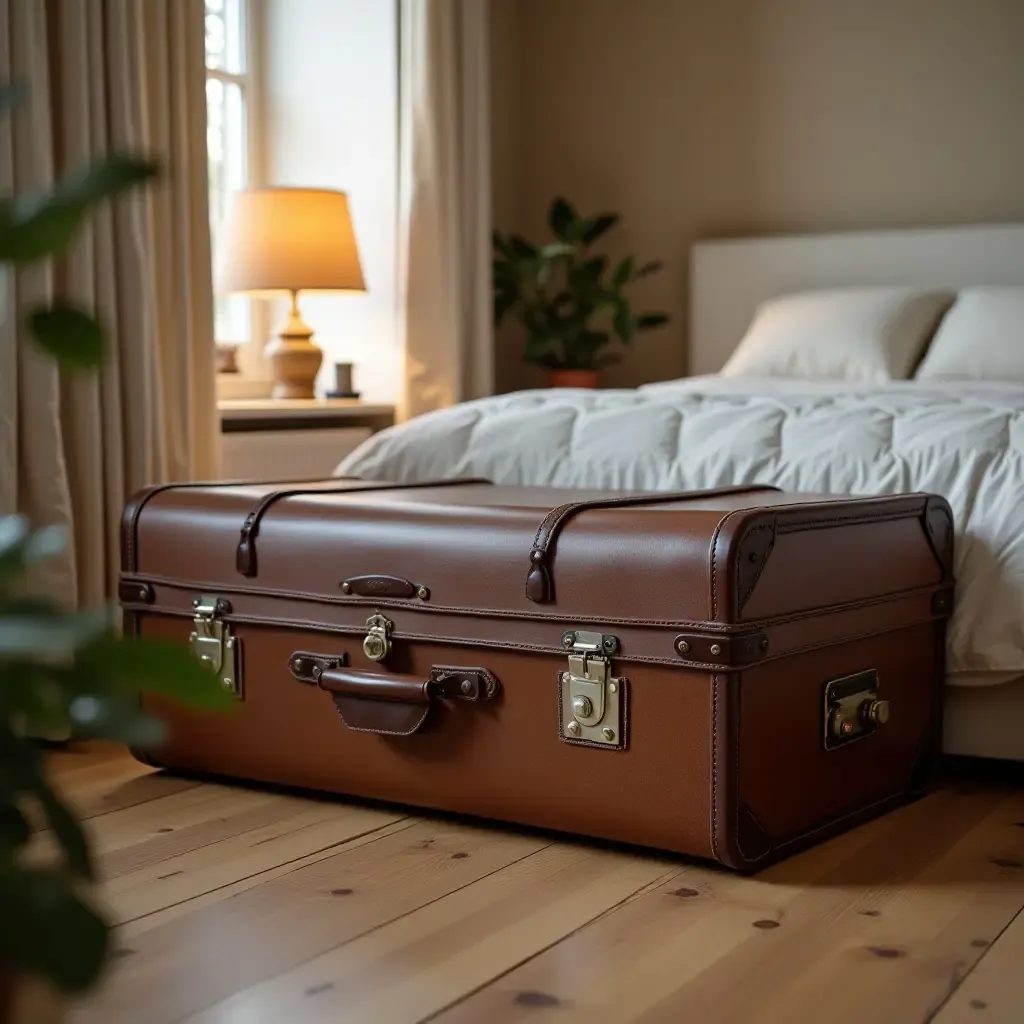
[962,440]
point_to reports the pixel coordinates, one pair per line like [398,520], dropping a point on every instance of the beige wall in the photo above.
[703,118]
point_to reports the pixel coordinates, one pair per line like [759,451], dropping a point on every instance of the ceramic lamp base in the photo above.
[294,359]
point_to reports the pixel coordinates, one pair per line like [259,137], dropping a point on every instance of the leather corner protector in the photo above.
[132,592]
[752,841]
[938,528]
[752,556]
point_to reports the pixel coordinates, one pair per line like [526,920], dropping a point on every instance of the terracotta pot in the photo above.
[572,378]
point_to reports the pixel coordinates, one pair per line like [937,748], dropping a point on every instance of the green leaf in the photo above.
[68,833]
[115,718]
[560,218]
[623,323]
[105,178]
[71,335]
[650,320]
[556,250]
[12,95]
[598,226]
[623,272]
[15,831]
[35,226]
[155,666]
[50,930]
[586,276]
[504,301]
[49,638]
[648,268]
[14,532]
[500,242]
[521,248]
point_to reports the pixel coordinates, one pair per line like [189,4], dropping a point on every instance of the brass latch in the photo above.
[853,709]
[377,643]
[213,643]
[591,702]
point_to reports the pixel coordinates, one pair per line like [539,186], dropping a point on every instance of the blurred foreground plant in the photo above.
[62,669]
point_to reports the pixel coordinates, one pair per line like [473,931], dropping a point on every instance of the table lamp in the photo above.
[290,240]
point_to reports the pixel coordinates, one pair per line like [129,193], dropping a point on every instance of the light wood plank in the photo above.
[419,964]
[224,860]
[876,935]
[993,993]
[196,959]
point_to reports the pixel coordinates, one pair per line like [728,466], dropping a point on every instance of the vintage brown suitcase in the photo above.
[732,674]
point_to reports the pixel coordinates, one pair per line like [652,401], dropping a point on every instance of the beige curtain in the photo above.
[445,203]
[108,75]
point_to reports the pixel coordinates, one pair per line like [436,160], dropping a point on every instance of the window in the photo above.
[229,136]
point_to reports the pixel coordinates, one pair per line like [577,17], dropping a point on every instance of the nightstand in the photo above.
[297,439]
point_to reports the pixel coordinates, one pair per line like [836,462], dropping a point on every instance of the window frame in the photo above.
[250,83]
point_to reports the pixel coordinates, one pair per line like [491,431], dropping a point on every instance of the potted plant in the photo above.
[568,301]
[62,670]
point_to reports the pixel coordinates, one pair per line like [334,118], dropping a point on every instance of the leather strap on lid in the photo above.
[245,556]
[539,585]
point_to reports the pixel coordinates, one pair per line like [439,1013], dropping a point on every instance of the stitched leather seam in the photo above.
[867,517]
[254,518]
[132,539]
[382,732]
[554,519]
[714,767]
[723,629]
[714,555]
[738,717]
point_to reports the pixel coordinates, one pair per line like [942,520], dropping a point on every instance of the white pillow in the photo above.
[981,338]
[858,334]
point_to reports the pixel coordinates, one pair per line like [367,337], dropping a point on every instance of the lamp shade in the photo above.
[289,239]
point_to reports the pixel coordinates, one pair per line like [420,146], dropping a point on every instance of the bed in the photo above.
[963,438]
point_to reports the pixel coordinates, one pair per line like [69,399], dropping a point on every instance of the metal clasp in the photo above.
[213,643]
[591,702]
[852,708]
[377,644]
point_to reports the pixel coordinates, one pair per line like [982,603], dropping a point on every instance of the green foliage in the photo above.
[62,669]
[567,301]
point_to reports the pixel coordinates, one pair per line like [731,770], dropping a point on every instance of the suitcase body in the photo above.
[732,675]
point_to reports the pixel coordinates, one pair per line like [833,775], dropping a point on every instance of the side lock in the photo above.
[591,701]
[853,709]
[213,643]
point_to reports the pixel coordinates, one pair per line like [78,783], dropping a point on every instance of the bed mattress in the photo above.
[964,441]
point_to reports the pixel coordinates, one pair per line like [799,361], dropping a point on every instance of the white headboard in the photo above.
[729,279]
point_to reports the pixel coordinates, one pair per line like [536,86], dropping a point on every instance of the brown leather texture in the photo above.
[732,611]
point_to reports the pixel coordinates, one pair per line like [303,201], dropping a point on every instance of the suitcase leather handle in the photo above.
[398,705]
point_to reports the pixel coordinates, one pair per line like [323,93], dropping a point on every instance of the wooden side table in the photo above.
[294,439]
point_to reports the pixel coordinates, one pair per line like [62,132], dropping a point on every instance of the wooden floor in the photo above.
[240,906]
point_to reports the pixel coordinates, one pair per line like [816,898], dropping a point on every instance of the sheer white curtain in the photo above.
[109,75]
[445,203]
